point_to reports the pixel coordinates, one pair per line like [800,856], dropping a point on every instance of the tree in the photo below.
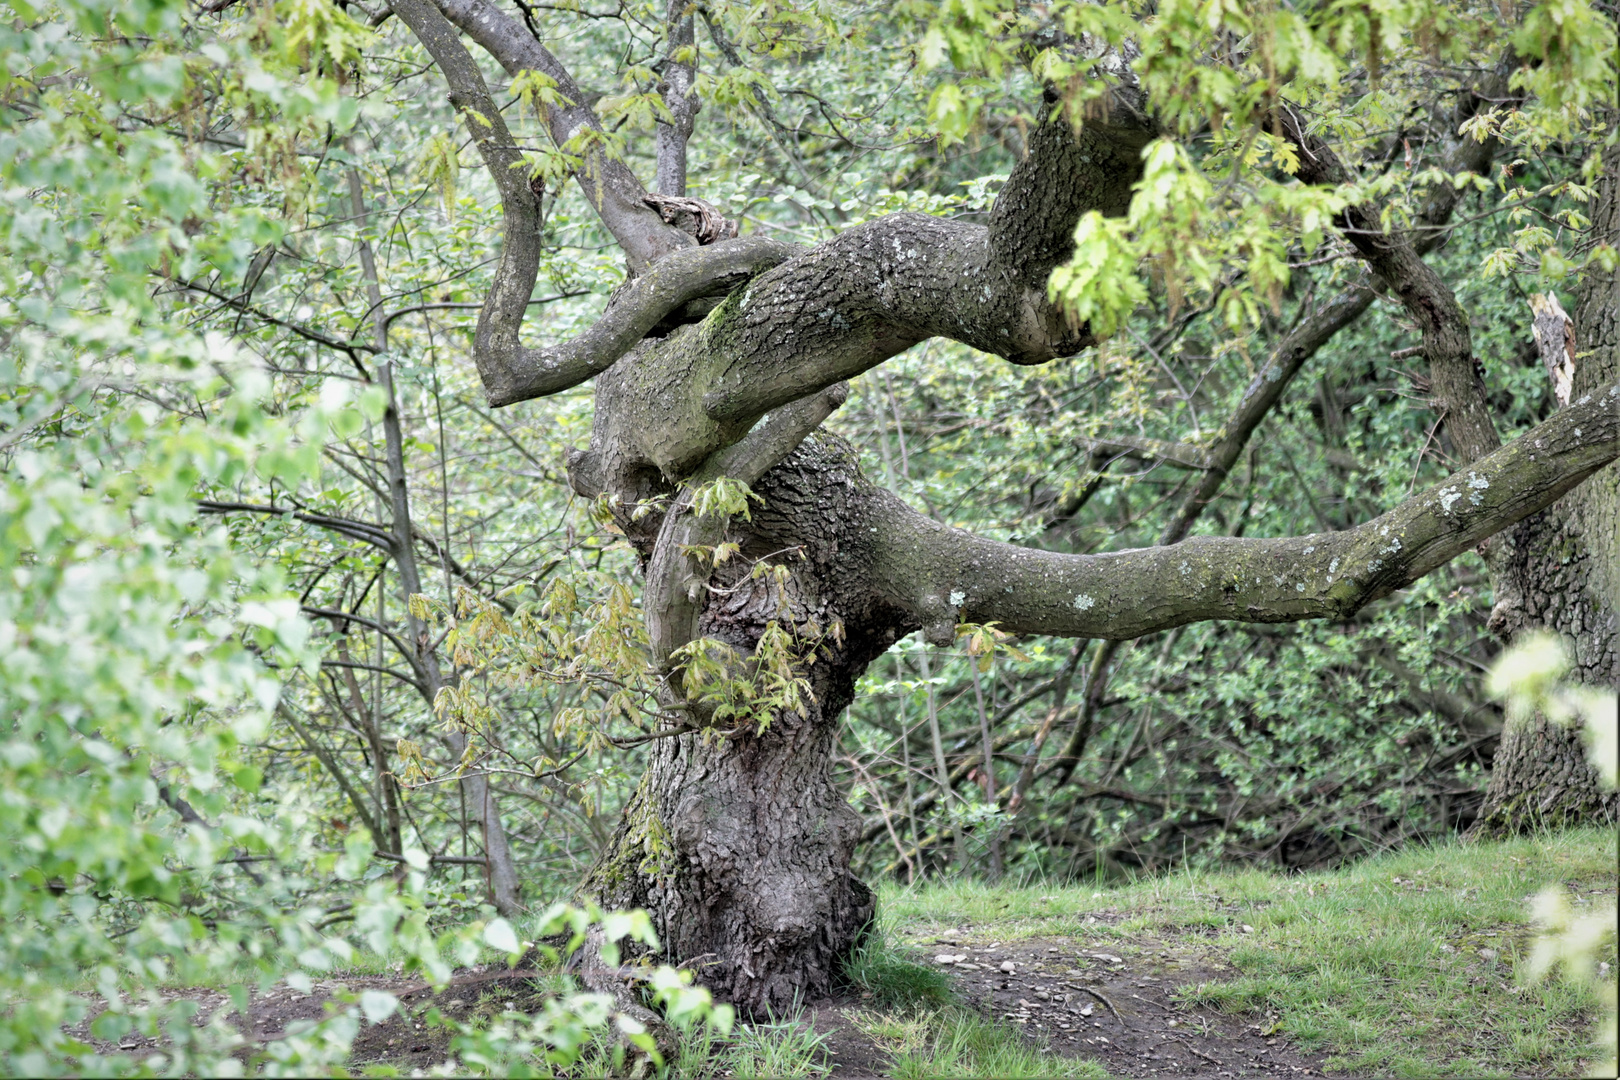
[242,255]
[1561,574]
[776,572]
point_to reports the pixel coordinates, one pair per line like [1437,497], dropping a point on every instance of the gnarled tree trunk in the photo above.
[739,845]
[1563,575]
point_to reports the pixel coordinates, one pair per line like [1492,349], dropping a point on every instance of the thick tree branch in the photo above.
[821,317]
[948,576]
[844,306]
[1065,174]
[677,279]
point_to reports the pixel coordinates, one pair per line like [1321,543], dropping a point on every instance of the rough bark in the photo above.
[739,845]
[1563,575]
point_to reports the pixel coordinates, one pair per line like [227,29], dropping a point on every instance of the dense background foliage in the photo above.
[242,251]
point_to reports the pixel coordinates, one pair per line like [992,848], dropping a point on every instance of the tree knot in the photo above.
[692,216]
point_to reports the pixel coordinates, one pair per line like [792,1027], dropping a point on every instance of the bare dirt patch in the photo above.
[1115,1004]
[850,1054]
[407,1039]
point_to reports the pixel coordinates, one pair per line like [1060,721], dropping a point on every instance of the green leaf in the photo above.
[378,1005]
[500,936]
[249,778]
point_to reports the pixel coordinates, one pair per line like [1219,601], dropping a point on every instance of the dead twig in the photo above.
[1098,994]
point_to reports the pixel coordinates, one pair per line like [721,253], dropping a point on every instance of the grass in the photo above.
[959,1043]
[788,1048]
[888,980]
[1379,964]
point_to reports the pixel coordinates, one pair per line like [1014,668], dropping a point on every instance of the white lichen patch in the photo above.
[1186,568]
[1477,484]
[957,596]
[1299,587]
[1392,547]
[1310,548]
[1082,602]
[1448,498]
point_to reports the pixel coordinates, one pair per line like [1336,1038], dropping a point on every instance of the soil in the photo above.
[850,1054]
[1079,997]
[1116,1004]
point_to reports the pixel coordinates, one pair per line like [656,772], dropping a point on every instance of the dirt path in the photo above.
[1089,999]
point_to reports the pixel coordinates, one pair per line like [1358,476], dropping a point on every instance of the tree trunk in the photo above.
[739,849]
[1563,575]
[739,845]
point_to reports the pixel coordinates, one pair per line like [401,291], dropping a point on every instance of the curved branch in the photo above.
[832,312]
[607,182]
[676,279]
[821,317]
[948,576]
[509,371]
[495,341]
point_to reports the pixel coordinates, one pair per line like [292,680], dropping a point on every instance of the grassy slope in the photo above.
[1378,964]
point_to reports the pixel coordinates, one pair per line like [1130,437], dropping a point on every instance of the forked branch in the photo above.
[606,180]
